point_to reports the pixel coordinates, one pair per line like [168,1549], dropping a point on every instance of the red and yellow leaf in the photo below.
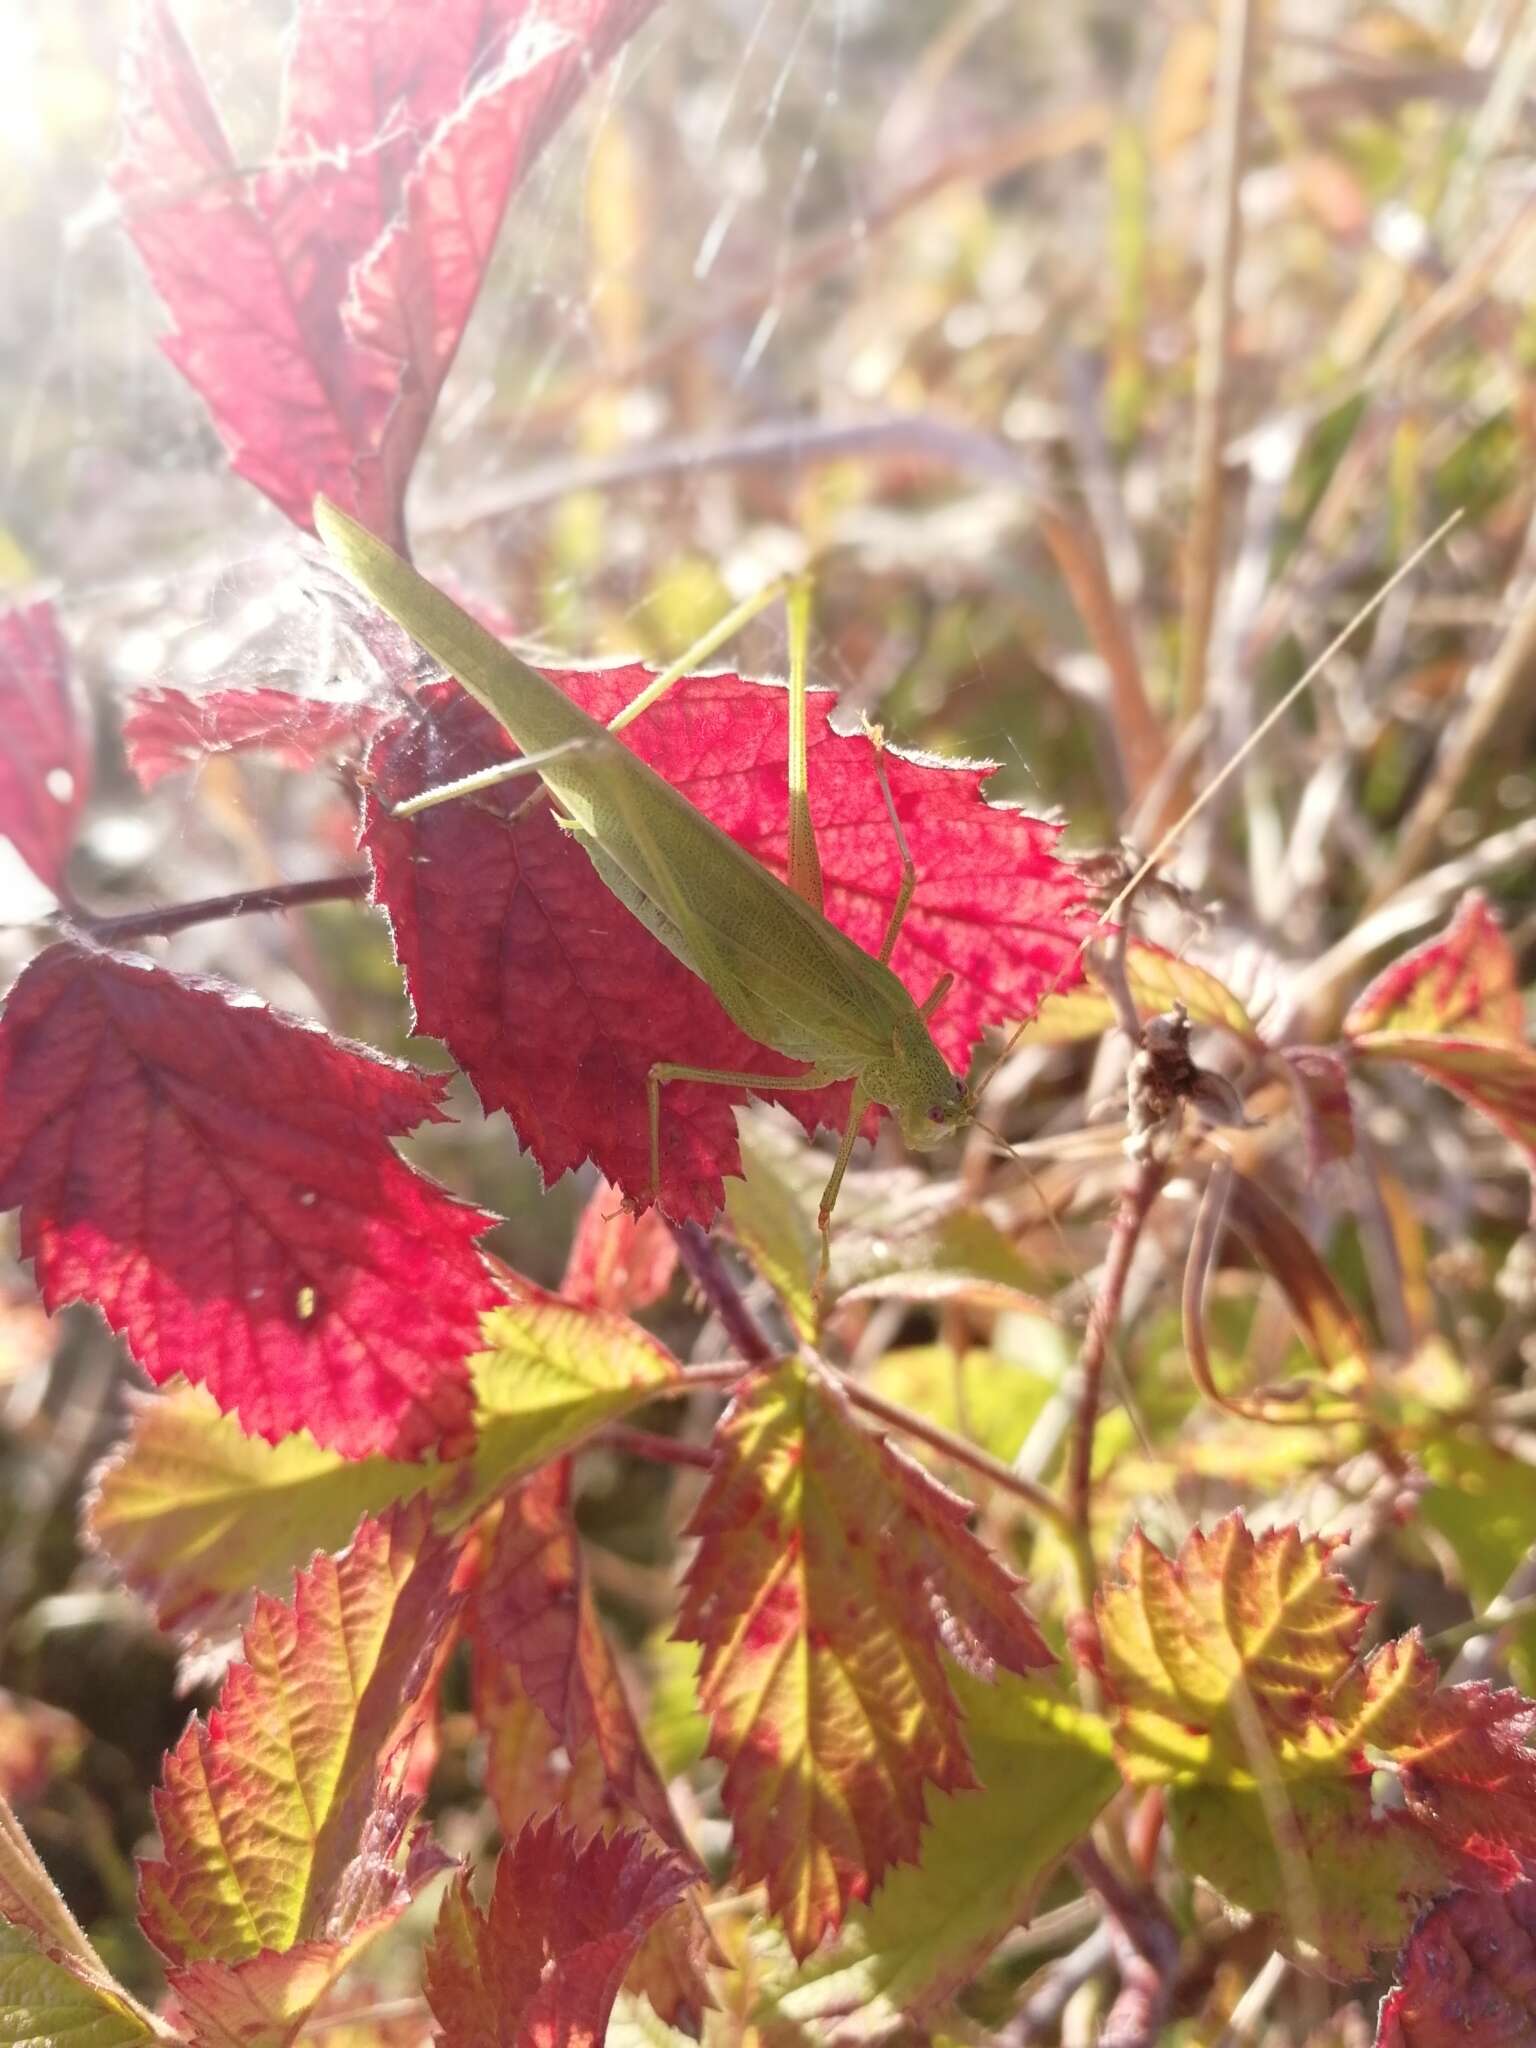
[1461,985]
[547,1687]
[1158,980]
[45,751]
[1330,1794]
[1451,1009]
[557,1002]
[219,1181]
[280,1816]
[541,1967]
[830,1573]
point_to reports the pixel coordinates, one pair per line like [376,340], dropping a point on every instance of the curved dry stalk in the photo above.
[1204,1246]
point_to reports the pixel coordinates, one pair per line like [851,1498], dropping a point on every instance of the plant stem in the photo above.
[1137,1195]
[709,1273]
[148,924]
[1224,241]
[1034,1497]
[659,1450]
[1146,1951]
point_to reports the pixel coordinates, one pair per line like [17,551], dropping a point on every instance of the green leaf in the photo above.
[197,1516]
[1045,1771]
[45,2003]
[1483,1501]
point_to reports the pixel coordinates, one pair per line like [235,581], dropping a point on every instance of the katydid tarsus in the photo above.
[779,968]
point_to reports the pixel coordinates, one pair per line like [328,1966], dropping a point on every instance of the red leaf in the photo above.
[618,1260]
[1327,1114]
[1467,1975]
[412,295]
[556,1001]
[405,129]
[45,760]
[532,1622]
[1451,1009]
[541,1969]
[166,731]
[219,1181]
[1461,984]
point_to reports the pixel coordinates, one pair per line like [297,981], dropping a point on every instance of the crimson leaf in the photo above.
[45,762]
[219,1181]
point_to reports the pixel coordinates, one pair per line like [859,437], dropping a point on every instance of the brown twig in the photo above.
[351,887]
[1234,80]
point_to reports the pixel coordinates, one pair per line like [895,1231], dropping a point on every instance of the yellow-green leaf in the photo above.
[47,2004]
[1044,1770]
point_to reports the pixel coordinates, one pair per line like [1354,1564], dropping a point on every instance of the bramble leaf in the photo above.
[282,1817]
[829,1574]
[541,1968]
[1451,1009]
[1331,1794]
[1045,1771]
[618,1260]
[195,1514]
[49,2001]
[1461,984]
[559,1729]
[551,1373]
[318,304]
[556,1001]
[219,1181]
[45,755]
[1158,979]
[166,731]
[1321,1080]
[1482,1499]
[1467,1975]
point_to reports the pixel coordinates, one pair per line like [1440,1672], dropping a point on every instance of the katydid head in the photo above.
[928,1099]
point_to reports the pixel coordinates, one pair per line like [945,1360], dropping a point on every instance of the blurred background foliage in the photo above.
[917,290]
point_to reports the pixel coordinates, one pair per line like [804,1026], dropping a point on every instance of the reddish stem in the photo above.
[709,1273]
[660,1450]
[176,917]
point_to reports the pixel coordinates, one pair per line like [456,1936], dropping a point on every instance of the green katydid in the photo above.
[780,969]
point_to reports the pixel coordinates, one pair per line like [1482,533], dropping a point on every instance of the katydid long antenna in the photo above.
[1224,775]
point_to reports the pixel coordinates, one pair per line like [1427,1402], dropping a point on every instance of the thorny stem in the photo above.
[709,1273]
[176,917]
